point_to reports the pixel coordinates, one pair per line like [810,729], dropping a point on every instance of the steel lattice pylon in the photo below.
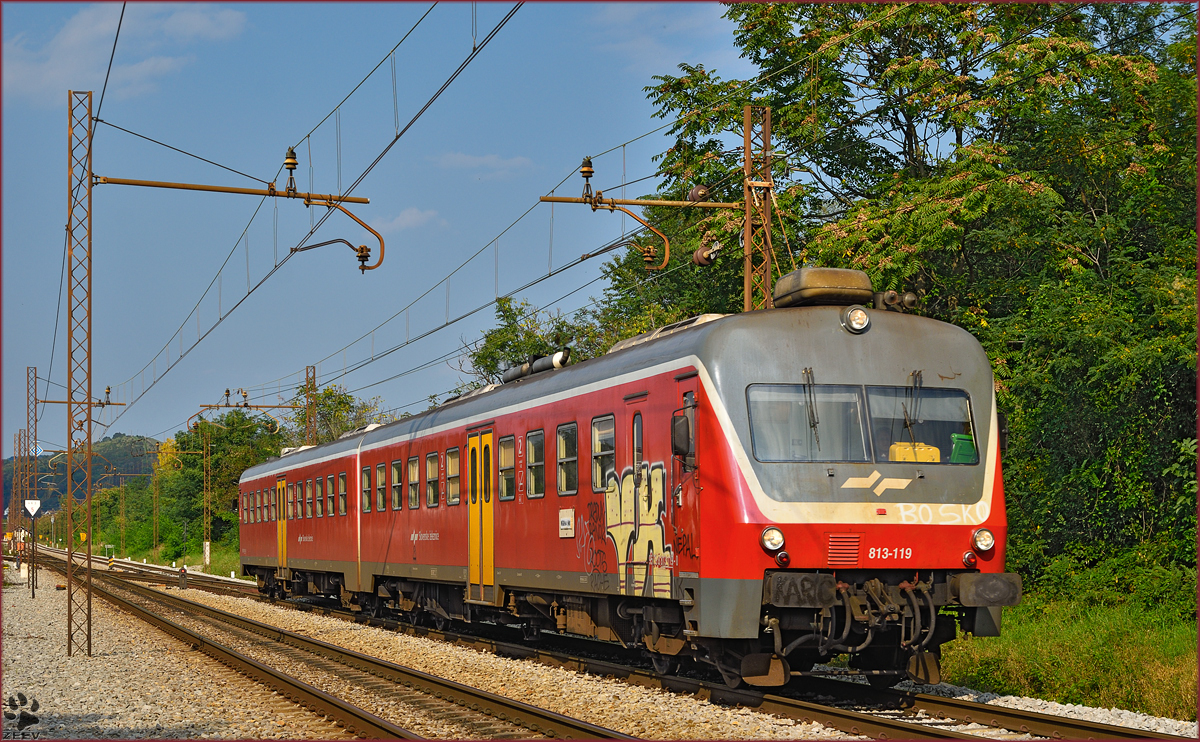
[757,190]
[310,393]
[154,517]
[205,446]
[31,430]
[79,371]
[15,495]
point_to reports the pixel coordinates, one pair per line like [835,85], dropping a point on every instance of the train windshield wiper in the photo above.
[913,392]
[811,405]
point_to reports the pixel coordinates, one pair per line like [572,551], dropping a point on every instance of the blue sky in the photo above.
[238,84]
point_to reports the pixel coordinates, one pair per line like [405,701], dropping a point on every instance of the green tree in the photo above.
[1029,170]
[338,411]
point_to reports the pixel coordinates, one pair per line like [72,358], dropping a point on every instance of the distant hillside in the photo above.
[114,453]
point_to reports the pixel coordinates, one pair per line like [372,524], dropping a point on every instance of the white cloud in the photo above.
[484,167]
[76,58]
[654,38]
[407,219]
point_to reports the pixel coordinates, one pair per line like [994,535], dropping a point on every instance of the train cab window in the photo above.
[291,502]
[535,463]
[365,484]
[342,493]
[397,484]
[308,495]
[507,450]
[380,488]
[431,480]
[604,452]
[930,426]
[568,459]
[329,495]
[414,483]
[319,498]
[452,492]
[807,422]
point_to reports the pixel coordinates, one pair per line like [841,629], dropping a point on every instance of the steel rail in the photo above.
[356,720]
[851,722]
[1017,720]
[538,720]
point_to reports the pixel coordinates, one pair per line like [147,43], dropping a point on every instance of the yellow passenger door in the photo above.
[281,524]
[480,490]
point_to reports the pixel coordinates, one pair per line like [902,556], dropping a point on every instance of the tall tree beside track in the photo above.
[1030,170]
[239,441]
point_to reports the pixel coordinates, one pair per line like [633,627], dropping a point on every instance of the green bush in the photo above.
[1142,577]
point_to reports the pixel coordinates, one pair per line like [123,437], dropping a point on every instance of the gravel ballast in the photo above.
[634,710]
[139,683]
[631,709]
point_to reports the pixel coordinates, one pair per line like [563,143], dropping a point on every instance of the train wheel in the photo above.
[664,664]
[440,623]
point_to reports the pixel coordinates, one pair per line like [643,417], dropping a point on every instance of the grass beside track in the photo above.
[1125,656]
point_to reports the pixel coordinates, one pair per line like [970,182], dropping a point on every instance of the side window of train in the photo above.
[635,435]
[535,463]
[342,493]
[380,488]
[604,451]
[256,507]
[507,448]
[568,459]
[319,498]
[291,501]
[397,484]
[365,494]
[452,496]
[487,473]
[431,480]
[473,473]
[308,497]
[414,483]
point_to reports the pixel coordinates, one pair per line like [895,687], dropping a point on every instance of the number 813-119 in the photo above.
[883,552]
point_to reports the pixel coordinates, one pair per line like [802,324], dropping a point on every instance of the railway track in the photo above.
[371,681]
[892,714]
[352,718]
[919,710]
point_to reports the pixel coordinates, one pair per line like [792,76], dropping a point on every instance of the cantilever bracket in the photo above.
[598,202]
[364,252]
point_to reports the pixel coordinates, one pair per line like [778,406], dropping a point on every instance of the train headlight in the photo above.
[984,539]
[855,319]
[772,539]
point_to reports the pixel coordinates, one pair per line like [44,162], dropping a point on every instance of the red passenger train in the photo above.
[758,492]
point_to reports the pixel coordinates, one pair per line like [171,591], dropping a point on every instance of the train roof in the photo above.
[724,344]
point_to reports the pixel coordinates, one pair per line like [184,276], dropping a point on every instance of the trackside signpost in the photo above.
[31,509]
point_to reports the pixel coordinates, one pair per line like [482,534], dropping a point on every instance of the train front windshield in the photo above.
[832,423]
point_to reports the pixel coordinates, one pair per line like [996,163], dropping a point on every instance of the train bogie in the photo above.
[757,492]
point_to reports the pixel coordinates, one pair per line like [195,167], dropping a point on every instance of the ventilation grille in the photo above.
[843,549]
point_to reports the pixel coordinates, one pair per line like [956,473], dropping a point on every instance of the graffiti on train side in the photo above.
[635,518]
